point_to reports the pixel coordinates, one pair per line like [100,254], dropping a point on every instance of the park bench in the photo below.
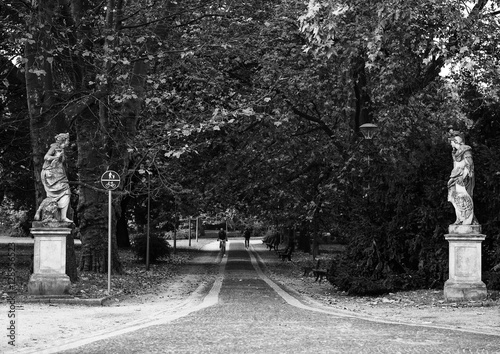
[286,253]
[308,270]
[319,272]
[272,243]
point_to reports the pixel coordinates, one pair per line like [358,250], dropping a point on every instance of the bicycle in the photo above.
[222,246]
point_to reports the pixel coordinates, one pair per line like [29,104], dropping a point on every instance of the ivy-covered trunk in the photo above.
[93,200]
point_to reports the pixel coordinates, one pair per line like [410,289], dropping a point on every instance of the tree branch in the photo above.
[86,185]
[72,111]
[311,118]
[476,10]
[322,125]
[494,13]
[434,68]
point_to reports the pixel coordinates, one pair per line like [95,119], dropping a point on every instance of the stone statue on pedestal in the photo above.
[461,182]
[464,235]
[52,229]
[55,207]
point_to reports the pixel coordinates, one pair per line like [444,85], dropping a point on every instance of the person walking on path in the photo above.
[247,234]
[223,239]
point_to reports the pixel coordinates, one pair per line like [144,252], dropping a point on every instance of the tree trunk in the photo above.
[71,266]
[315,248]
[119,136]
[363,109]
[304,241]
[36,99]
[44,122]
[93,200]
[122,235]
[123,138]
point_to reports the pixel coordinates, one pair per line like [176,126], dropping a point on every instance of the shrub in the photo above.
[492,280]
[270,236]
[13,222]
[355,283]
[158,247]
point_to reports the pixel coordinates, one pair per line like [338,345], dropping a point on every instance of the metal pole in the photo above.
[189,223]
[175,233]
[197,220]
[109,241]
[147,231]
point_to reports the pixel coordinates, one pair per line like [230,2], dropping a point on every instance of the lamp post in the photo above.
[197,221]
[368,130]
[189,230]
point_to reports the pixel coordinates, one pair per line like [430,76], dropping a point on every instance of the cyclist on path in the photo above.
[223,239]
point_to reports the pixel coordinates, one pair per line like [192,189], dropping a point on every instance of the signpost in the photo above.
[197,223]
[189,232]
[110,180]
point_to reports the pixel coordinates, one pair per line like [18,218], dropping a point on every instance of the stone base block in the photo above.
[464,229]
[49,284]
[456,292]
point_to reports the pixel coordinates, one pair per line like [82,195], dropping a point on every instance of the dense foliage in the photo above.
[253,108]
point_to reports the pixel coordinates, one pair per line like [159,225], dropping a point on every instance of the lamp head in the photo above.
[369,130]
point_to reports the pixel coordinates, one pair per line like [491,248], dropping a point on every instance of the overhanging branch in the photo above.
[73,110]
[321,125]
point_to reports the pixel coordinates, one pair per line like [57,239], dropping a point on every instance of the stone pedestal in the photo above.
[464,281]
[49,261]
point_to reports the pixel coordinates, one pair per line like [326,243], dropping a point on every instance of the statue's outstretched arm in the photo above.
[50,154]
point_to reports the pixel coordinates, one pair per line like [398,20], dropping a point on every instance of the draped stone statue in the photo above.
[464,235]
[55,182]
[52,230]
[461,182]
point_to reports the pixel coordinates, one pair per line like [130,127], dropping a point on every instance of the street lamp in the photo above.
[369,130]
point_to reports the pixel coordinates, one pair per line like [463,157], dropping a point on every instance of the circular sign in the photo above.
[110,180]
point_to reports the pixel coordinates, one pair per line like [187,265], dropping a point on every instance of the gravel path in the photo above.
[43,325]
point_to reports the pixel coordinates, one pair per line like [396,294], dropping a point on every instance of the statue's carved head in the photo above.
[62,138]
[455,137]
